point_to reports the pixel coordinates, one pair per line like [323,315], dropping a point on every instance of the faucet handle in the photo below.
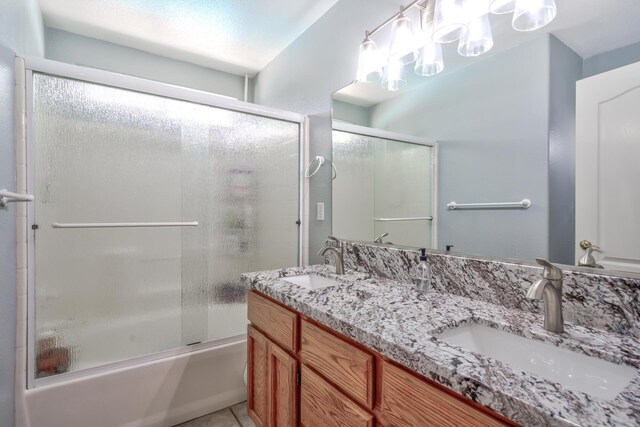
[551,271]
[335,240]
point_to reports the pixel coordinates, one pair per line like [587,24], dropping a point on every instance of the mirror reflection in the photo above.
[528,151]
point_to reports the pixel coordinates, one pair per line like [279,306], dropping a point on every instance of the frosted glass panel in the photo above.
[403,190]
[107,155]
[381,178]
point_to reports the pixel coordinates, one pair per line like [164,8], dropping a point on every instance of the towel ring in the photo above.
[320,160]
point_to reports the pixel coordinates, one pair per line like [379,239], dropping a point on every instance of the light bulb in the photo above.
[430,61]
[478,38]
[394,79]
[369,64]
[403,42]
[450,21]
[531,15]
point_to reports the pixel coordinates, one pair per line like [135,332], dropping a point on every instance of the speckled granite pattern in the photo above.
[601,301]
[391,318]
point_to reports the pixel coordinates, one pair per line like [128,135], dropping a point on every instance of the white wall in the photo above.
[21,32]
[303,77]
[89,52]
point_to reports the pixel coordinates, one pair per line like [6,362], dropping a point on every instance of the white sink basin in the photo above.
[311,281]
[572,370]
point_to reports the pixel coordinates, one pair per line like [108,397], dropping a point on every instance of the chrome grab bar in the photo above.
[417,218]
[523,204]
[123,224]
[10,197]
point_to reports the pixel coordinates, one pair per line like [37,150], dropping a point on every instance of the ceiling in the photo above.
[589,27]
[236,36]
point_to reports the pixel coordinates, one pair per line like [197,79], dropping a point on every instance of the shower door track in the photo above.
[27,66]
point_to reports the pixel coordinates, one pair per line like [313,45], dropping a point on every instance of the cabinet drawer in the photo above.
[321,405]
[276,321]
[346,366]
[410,401]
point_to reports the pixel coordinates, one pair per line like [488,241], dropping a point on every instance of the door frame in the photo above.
[26,67]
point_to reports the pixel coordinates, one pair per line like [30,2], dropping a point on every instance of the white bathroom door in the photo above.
[608,166]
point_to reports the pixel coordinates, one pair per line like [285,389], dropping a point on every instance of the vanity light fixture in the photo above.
[500,7]
[369,63]
[530,15]
[442,21]
[402,48]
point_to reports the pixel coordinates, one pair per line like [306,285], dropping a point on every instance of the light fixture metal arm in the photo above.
[388,21]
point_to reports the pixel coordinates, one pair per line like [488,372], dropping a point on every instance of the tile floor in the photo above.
[234,416]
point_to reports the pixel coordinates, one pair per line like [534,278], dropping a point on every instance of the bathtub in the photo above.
[161,392]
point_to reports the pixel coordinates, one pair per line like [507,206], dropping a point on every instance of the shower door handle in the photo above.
[123,224]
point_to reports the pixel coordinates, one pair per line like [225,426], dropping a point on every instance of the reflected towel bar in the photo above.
[10,197]
[417,218]
[524,204]
[123,224]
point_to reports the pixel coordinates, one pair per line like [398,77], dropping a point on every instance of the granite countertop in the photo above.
[393,319]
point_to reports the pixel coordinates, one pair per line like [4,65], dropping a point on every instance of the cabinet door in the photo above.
[322,405]
[257,378]
[283,384]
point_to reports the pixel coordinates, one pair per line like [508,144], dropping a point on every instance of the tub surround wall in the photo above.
[598,300]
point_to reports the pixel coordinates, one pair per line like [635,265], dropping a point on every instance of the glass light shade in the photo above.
[530,15]
[478,38]
[394,79]
[500,7]
[430,61]
[369,64]
[403,41]
[450,21]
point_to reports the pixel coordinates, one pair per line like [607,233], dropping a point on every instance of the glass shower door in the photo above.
[148,209]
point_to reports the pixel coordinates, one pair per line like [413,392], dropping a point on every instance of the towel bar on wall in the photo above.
[524,204]
[123,224]
[11,197]
[417,218]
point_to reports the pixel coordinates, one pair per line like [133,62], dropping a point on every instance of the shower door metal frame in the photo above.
[408,139]
[136,84]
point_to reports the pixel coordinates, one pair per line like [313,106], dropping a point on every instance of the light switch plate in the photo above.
[320,215]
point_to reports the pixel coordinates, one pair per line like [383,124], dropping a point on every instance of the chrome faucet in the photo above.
[588,260]
[337,253]
[549,290]
[380,237]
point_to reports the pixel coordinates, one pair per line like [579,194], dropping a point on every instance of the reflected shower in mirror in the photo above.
[384,192]
[546,116]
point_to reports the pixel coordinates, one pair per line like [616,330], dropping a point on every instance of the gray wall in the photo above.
[491,119]
[76,49]
[304,75]
[609,60]
[351,113]
[566,69]
[20,32]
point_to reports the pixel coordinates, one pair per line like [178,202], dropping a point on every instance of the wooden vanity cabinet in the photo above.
[304,374]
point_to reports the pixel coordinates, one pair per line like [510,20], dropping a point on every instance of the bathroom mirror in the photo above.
[481,158]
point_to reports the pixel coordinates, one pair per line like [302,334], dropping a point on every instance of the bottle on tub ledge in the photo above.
[422,273]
